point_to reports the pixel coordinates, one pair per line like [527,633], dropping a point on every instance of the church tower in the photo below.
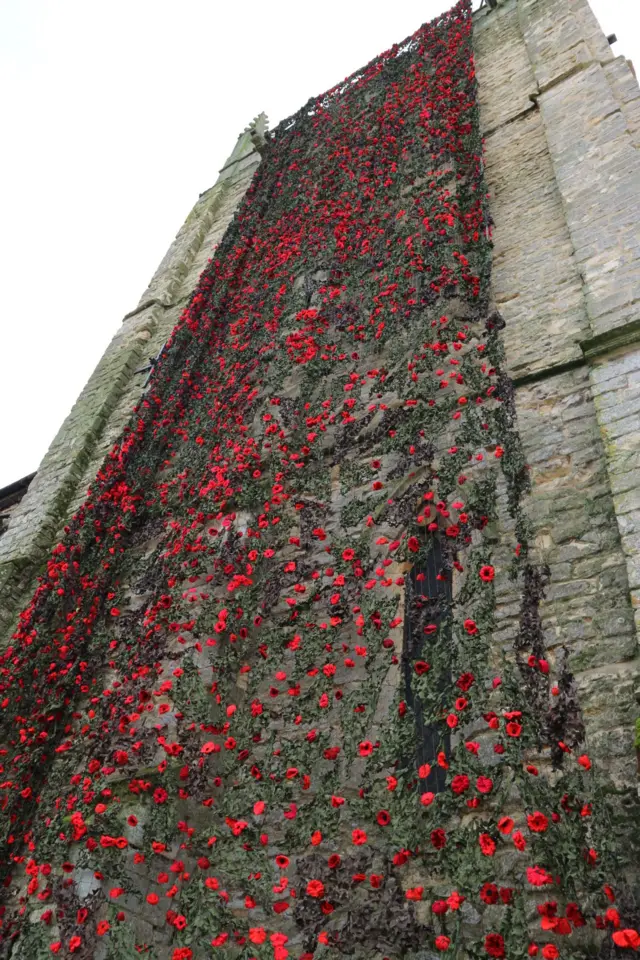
[320,615]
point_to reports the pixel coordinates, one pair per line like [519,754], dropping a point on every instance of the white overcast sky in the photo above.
[114,116]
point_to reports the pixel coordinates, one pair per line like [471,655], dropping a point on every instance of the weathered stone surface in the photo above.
[564,187]
[536,284]
[502,63]
[564,203]
[625,89]
[561,38]
[587,608]
[616,389]
[168,278]
[597,169]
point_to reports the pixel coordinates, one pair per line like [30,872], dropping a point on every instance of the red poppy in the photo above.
[519,841]
[401,857]
[455,900]
[489,893]
[460,783]
[487,844]
[494,945]
[332,186]
[438,838]
[628,939]
[537,822]
[574,915]
[484,784]
[538,877]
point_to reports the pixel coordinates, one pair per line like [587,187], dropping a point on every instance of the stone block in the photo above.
[501,59]
[542,303]
[575,40]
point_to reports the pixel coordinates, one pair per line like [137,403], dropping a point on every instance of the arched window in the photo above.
[427,597]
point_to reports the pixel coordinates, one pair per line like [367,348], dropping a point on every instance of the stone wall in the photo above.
[564,173]
[561,118]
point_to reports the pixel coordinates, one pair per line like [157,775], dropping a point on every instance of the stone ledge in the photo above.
[154,302]
[568,74]
[545,373]
[611,340]
[591,349]
[517,116]
[232,163]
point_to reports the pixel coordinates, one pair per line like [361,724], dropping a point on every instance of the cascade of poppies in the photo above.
[254,708]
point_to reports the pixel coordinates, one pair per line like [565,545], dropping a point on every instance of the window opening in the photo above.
[427,600]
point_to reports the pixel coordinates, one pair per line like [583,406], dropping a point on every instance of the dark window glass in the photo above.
[427,596]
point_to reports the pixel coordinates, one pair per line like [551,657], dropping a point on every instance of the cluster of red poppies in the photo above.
[258,672]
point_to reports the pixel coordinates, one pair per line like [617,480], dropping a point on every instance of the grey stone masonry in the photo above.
[563,168]
[615,383]
[586,102]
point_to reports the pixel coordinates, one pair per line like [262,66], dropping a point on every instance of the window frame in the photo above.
[431,739]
